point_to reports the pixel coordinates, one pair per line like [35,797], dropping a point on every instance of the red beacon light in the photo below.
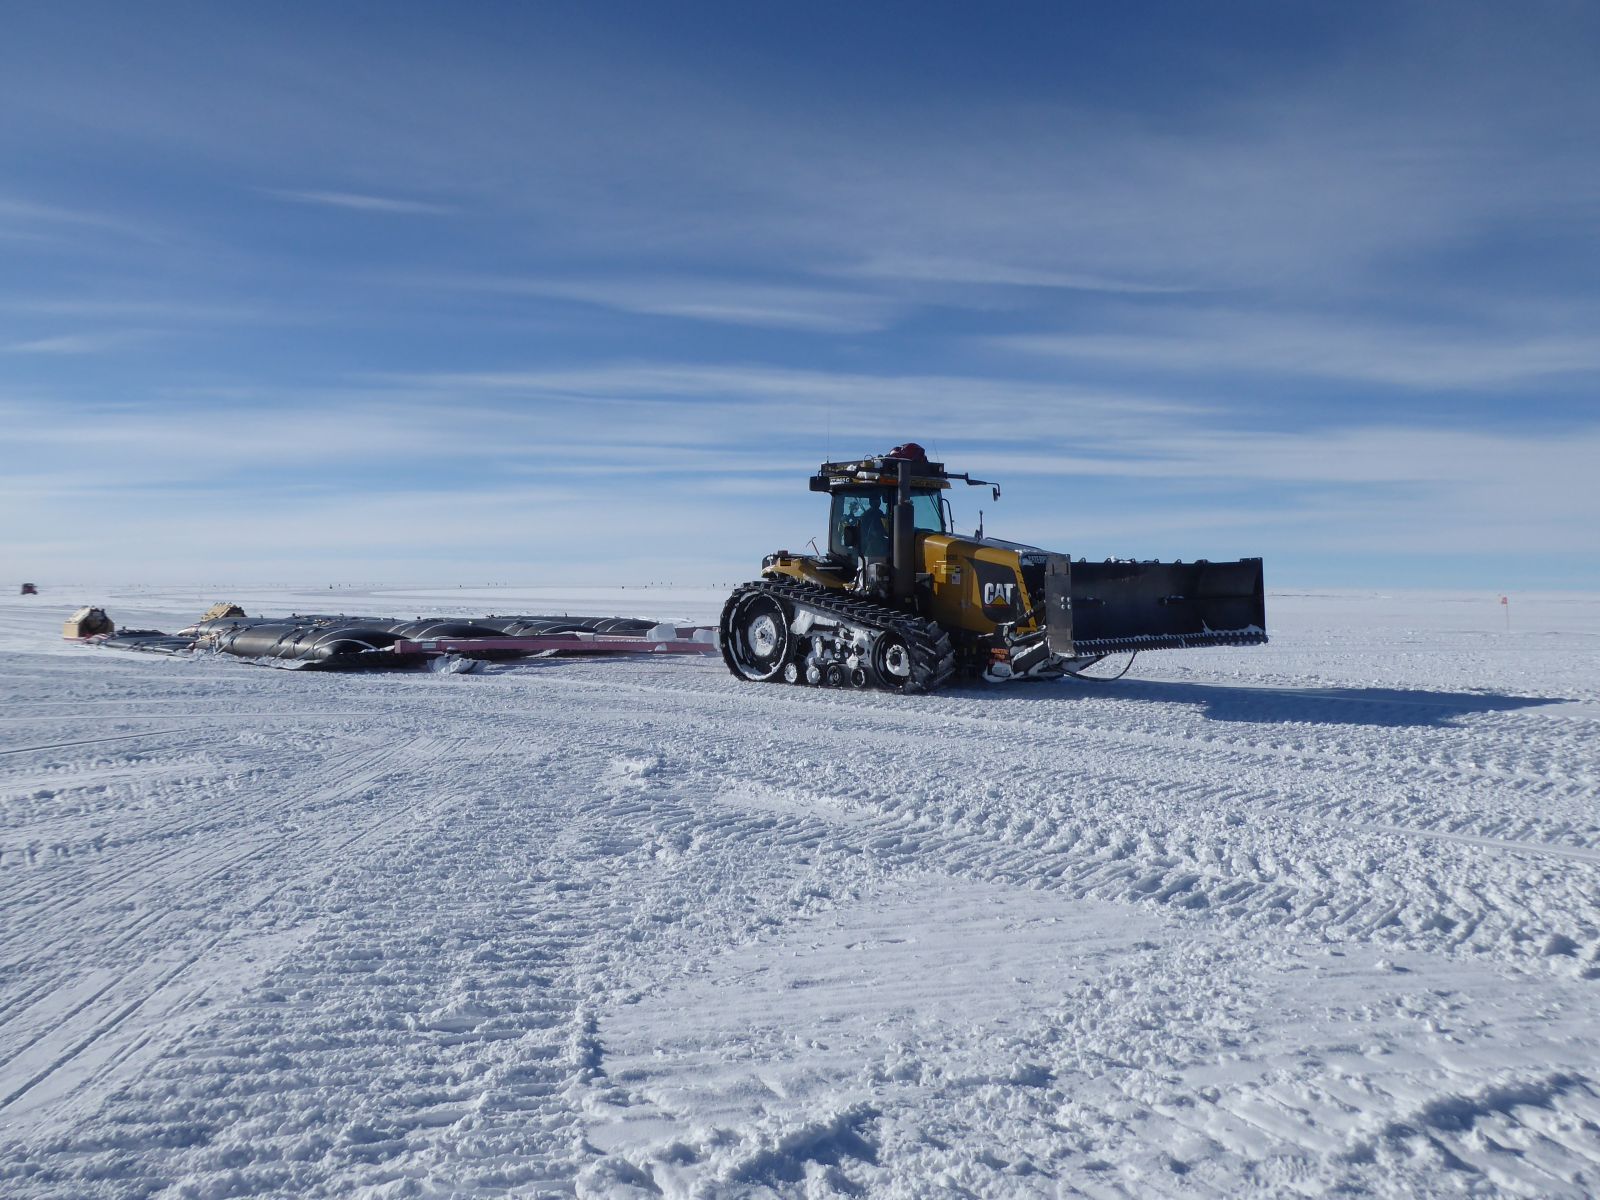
[910,451]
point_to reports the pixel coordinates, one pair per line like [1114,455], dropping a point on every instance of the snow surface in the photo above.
[1317,916]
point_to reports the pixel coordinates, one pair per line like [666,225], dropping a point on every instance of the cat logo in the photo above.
[999,593]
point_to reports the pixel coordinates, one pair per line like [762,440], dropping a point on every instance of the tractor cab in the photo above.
[878,506]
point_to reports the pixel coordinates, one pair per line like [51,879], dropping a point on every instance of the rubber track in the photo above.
[933,658]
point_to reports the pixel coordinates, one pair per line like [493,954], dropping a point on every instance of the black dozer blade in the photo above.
[1117,606]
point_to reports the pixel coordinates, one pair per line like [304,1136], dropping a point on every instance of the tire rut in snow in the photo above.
[1247,840]
[435,1015]
[120,981]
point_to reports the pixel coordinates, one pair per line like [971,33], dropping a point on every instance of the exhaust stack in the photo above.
[904,549]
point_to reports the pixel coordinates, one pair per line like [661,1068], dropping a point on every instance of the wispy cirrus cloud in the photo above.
[719,301]
[364,202]
[100,342]
[680,401]
[1398,353]
[42,221]
[915,269]
[136,308]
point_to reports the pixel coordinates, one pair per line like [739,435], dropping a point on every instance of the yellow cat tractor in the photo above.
[900,601]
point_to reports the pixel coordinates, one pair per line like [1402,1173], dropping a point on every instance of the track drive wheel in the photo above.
[755,636]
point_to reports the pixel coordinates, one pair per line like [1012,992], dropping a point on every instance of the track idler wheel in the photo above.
[756,638]
[891,661]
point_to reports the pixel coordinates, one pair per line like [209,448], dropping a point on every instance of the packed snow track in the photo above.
[1319,916]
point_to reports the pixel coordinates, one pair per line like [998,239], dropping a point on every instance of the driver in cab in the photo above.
[874,525]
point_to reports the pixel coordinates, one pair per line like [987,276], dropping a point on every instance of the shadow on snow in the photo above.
[1395,707]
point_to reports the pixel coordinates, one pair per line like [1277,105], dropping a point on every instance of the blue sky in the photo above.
[562,292]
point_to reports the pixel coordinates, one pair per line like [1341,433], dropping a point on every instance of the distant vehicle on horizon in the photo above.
[29,589]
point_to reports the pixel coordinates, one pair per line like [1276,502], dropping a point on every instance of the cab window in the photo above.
[871,510]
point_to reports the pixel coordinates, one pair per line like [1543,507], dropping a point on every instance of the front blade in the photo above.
[1119,606]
